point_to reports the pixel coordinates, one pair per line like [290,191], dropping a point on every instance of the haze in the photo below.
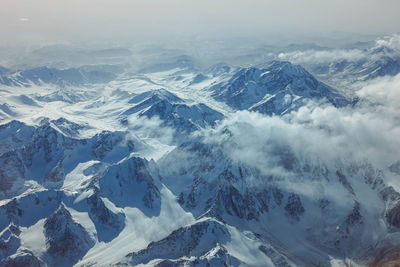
[50,21]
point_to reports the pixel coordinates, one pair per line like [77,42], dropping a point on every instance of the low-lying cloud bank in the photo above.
[391,42]
[368,132]
[323,56]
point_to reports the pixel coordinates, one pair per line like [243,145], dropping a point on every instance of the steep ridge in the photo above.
[204,243]
[75,194]
[60,77]
[372,62]
[172,110]
[275,88]
[43,198]
[247,197]
[46,154]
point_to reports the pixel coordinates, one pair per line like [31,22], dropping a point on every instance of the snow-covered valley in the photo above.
[273,164]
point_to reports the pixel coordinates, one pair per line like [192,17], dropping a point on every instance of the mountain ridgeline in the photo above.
[101,166]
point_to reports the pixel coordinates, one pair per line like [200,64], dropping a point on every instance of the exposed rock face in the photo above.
[13,135]
[68,128]
[130,183]
[110,146]
[105,142]
[379,61]
[196,240]
[56,175]
[22,258]
[231,191]
[392,201]
[11,173]
[276,88]
[28,209]
[229,188]
[277,259]
[45,146]
[294,207]
[9,241]
[194,191]
[108,224]
[66,240]
[48,146]
[173,111]
[217,256]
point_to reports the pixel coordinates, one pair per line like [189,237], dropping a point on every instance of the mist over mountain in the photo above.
[172,133]
[163,158]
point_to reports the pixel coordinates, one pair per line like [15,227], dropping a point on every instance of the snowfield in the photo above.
[275,164]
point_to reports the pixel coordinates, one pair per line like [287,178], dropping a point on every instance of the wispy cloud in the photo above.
[392,41]
[320,57]
[317,135]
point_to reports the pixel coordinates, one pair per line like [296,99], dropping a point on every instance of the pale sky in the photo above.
[85,20]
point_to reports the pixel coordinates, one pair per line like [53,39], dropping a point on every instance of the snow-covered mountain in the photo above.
[246,197]
[359,63]
[177,165]
[275,88]
[62,77]
[172,110]
[378,61]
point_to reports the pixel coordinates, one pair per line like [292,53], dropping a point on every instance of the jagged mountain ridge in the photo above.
[275,88]
[172,110]
[68,185]
[361,65]
[60,77]
[243,195]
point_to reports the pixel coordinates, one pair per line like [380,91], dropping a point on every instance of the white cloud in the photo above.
[319,57]
[392,41]
[319,135]
[151,128]
[329,56]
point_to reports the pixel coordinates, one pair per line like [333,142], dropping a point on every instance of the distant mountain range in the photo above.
[100,166]
[62,77]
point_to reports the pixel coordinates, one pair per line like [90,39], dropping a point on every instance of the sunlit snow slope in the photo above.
[177,165]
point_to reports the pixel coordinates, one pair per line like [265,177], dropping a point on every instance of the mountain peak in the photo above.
[275,87]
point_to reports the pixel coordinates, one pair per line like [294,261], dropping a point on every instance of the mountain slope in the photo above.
[61,77]
[175,166]
[275,88]
[172,110]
